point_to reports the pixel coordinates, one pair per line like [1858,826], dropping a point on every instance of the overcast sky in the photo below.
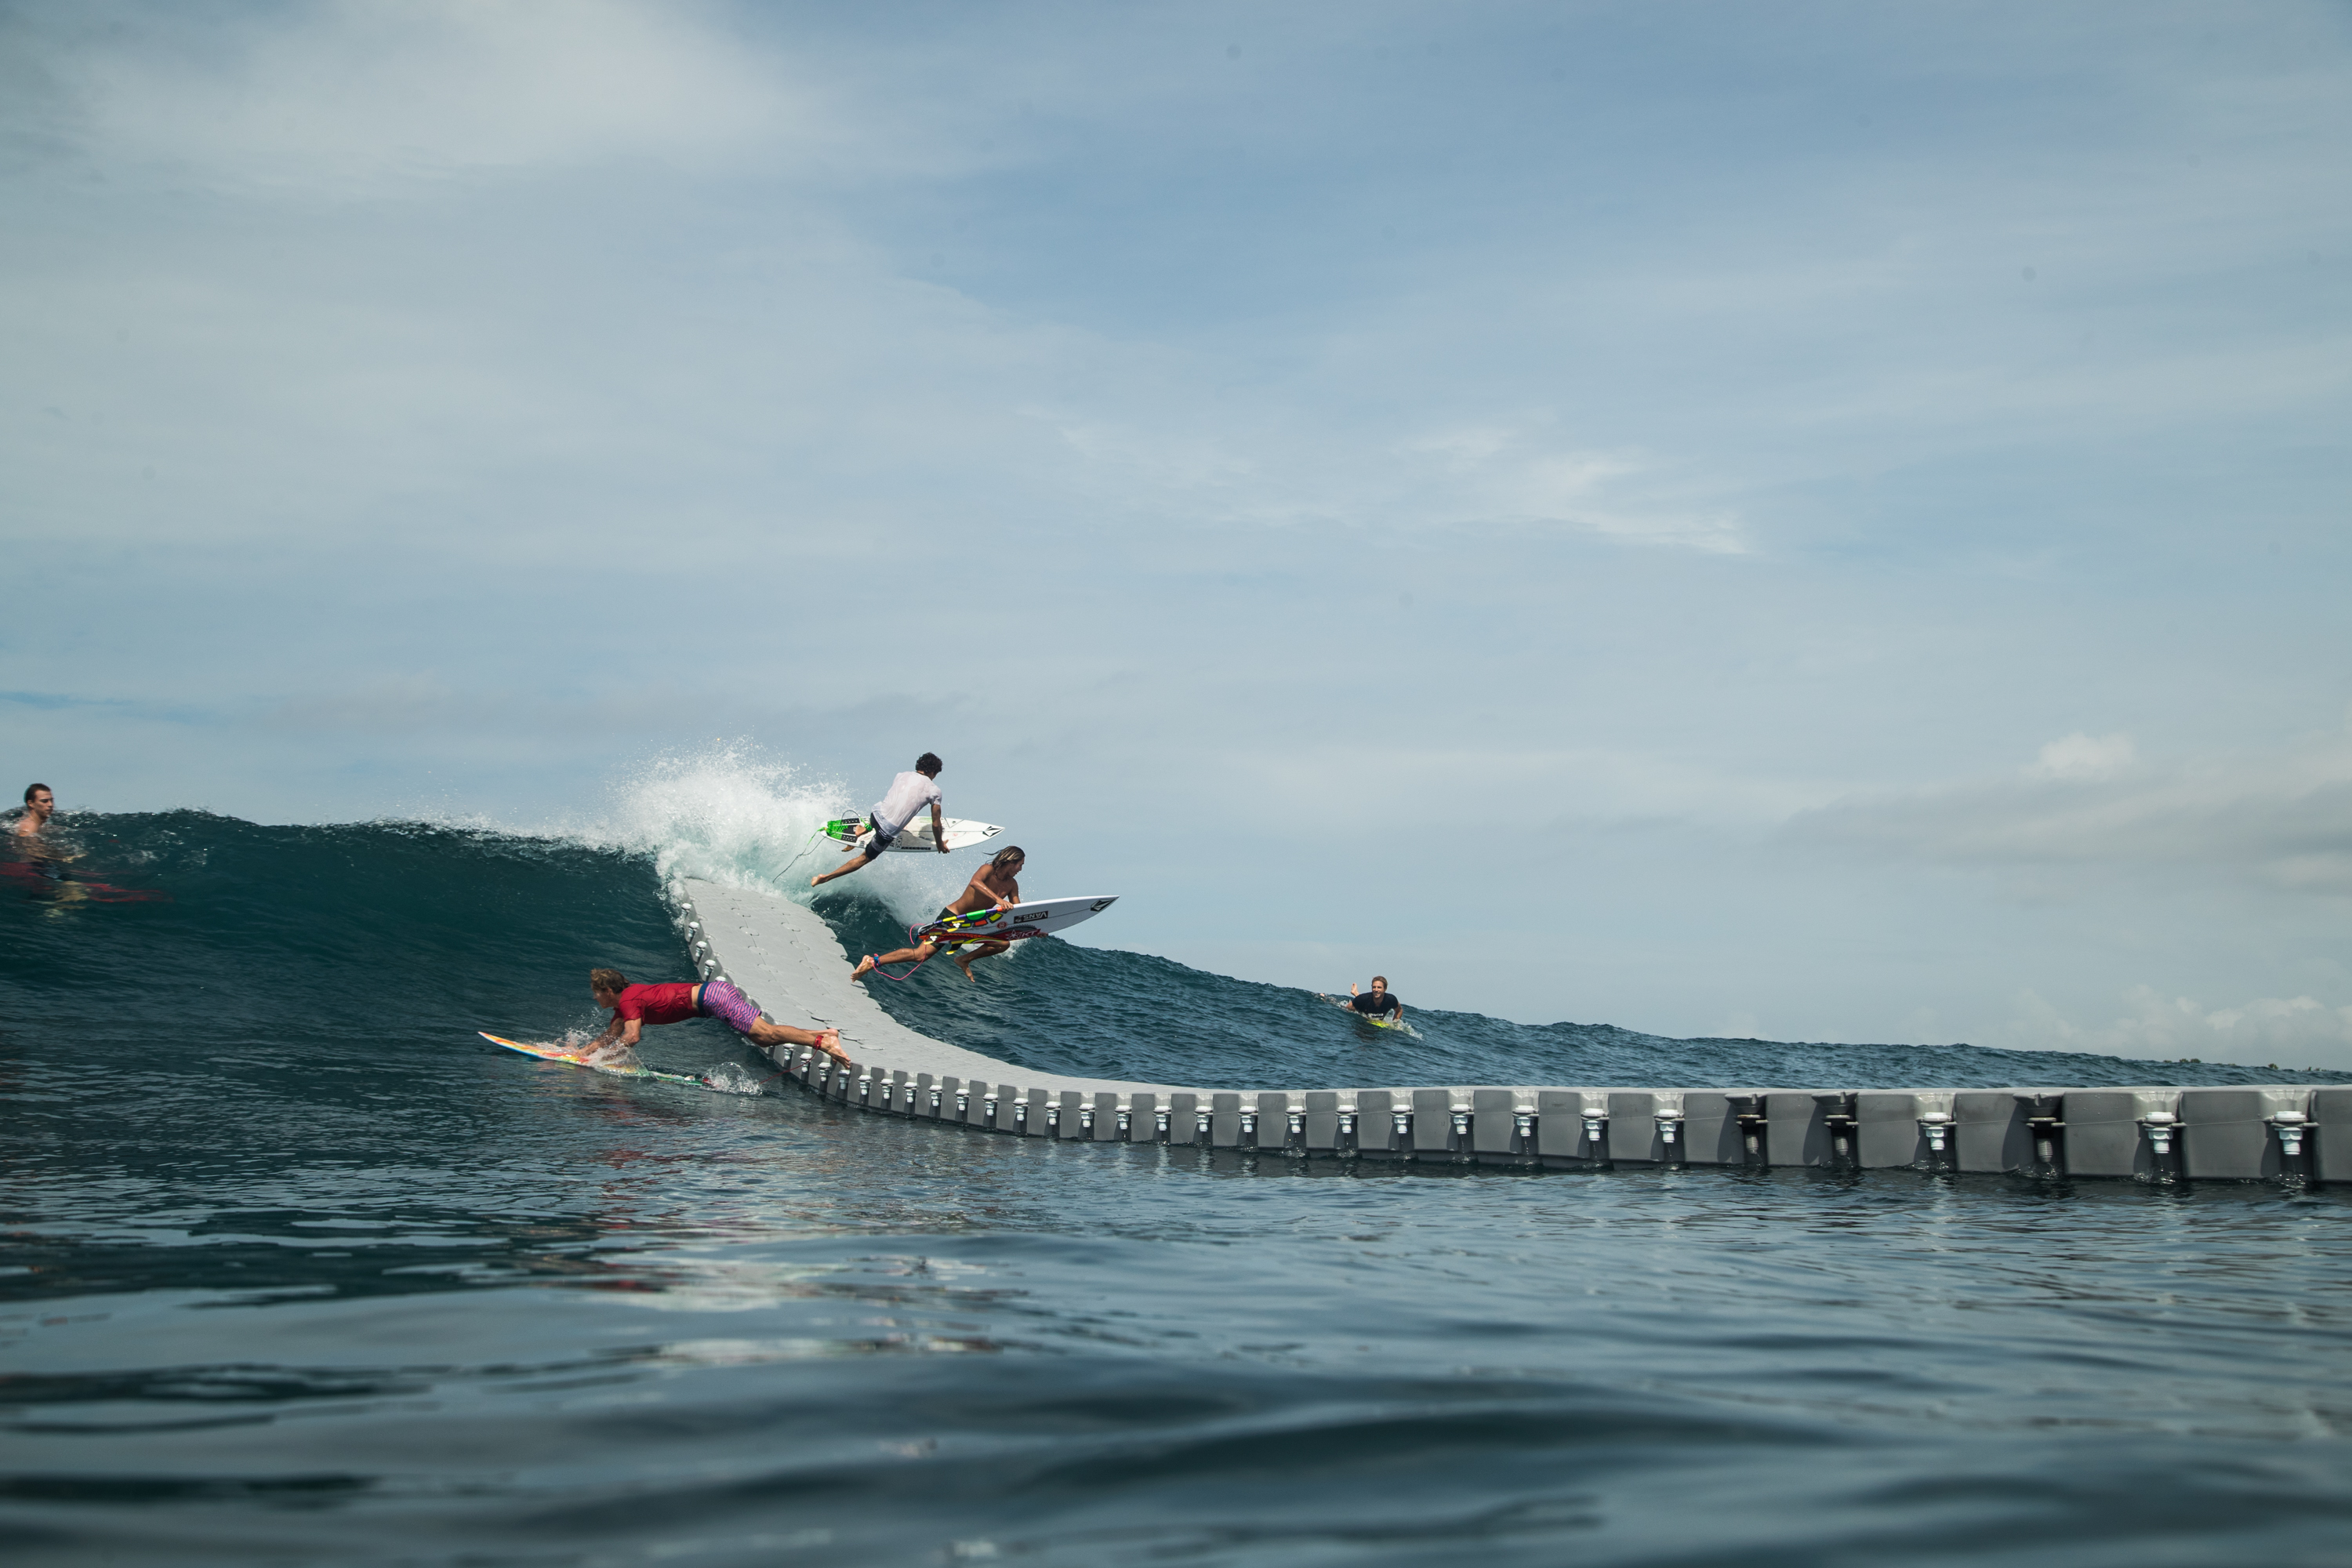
[1825,521]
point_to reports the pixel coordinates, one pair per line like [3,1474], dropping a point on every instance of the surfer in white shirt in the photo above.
[910,792]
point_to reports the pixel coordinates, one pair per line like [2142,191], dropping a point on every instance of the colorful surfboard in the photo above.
[1046,917]
[571,1056]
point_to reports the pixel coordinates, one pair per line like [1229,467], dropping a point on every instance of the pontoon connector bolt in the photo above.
[963,1104]
[1086,1119]
[1461,1122]
[2291,1125]
[1938,1126]
[1159,1124]
[1126,1121]
[2161,1125]
[1669,1123]
[1298,1120]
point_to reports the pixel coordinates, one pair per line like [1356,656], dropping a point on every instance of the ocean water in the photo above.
[295,1268]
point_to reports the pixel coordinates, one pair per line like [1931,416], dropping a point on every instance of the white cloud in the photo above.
[356,97]
[2081,756]
[1508,474]
[2283,819]
[2292,1032]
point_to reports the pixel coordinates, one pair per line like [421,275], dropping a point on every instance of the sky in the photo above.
[1818,521]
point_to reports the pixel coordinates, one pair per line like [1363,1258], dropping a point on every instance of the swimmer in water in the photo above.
[40,805]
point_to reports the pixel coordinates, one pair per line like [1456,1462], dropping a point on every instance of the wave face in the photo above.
[294,1266]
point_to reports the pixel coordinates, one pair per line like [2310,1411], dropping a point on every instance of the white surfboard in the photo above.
[916,838]
[1047,917]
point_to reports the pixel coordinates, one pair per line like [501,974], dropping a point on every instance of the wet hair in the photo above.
[1379,980]
[32,790]
[611,982]
[928,762]
[1009,853]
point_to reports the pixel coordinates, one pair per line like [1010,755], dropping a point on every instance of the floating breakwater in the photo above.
[788,961]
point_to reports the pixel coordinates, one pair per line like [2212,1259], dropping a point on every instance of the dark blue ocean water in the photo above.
[295,1268]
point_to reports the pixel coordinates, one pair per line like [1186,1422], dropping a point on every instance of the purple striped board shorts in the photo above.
[721,1001]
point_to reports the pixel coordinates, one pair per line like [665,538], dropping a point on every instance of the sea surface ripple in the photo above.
[294,1268]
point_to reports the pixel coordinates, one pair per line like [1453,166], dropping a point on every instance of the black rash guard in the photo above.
[1386,1002]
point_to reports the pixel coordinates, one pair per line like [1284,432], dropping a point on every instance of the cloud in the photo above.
[2283,819]
[2292,1032]
[356,97]
[1510,474]
[2081,756]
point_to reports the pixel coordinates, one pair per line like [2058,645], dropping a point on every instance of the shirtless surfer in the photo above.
[40,805]
[634,1008]
[908,794]
[995,886]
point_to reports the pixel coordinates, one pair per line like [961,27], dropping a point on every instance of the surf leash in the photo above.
[805,848]
[886,974]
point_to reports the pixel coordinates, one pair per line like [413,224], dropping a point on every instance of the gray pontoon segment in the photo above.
[2107,1130]
[2231,1134]
[2329,1152]
[786,959]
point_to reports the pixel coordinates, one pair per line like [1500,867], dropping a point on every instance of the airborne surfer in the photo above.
[995,886]
[634,1008]
[910,792]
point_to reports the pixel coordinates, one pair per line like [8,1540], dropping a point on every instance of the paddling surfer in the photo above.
[995,886]
[635,1007]
[1376,1004]
[910,792]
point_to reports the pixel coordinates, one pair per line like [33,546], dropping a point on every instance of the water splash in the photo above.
[732,813]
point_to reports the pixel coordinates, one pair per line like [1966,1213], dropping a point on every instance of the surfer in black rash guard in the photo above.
[995,886]
[1376,1004]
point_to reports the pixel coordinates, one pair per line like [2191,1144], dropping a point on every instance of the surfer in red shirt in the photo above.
[637,1007]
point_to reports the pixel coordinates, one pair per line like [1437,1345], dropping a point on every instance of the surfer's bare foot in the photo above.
[965,964]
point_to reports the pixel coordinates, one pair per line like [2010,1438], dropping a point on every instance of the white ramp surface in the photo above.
[788,961]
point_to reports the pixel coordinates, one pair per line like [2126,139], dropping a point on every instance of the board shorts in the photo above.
[883,836]
[721,1001]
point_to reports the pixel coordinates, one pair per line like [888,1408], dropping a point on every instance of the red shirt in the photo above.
[654,1004]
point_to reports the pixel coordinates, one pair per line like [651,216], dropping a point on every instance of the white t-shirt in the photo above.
[909,794]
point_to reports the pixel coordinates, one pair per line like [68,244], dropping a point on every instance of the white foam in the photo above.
[732,814]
